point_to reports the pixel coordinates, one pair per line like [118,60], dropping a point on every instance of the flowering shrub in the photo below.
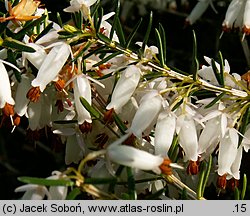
[132,125]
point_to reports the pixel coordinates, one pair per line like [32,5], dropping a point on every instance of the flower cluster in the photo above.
[117,108]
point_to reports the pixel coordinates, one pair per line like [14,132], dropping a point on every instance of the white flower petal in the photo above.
[145,115]
[5,90]
[164,133]
[210,135]
[227,151]
[124,88]
[23,87]
[235,168]
[188,137]
[132,157]
[73,152]
[36,58]
[197,11]
[82,89]
[52,65]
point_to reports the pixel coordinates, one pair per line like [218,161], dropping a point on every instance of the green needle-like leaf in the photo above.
[164,42]
[73,194]
[133,33]
[103,38]
[45,31]
[145,41]
[244,187]
[195,62]
[216,72]
[207,173]
[29,26]
[222,63]
[107,58]
[117,14]
[98,24]
[131,184]
[214,101]
[17,45]
[45,182]
[160,47]
[93,112]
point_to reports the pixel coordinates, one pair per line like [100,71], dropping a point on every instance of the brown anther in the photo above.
[225,28]
[165,167]
[222,182]
[8,110]
[85,127]
[101,139]
[59,84]
[108,116]
[246,30]
[246,77]
[102,29]
[193,167]
[16,119]
[34,94]
[130,140]
[59,105]
[69,102]
[232,184]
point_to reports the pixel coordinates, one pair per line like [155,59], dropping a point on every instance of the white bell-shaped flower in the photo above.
[21,100]
[235,168]
[227,151]
[187,135]
[164,133]
[75,147]
[80,5]
[149,108]
[124,88]
[51,65]
[37,57]
[210,135]
[57,192]
[5,90]
[33,192]
[197,11]
[135,158]
[82,88]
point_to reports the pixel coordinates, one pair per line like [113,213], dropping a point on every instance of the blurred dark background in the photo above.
[20,152]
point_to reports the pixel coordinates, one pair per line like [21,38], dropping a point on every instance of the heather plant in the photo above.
[131,126]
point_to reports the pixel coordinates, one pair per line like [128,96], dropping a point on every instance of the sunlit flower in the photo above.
[147,113]
[5,90]
[164,133]
[135,158]
[82,89]
[23,11]
[37,57]
[51,65]
[80,5]
[227,151]
[124,88]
